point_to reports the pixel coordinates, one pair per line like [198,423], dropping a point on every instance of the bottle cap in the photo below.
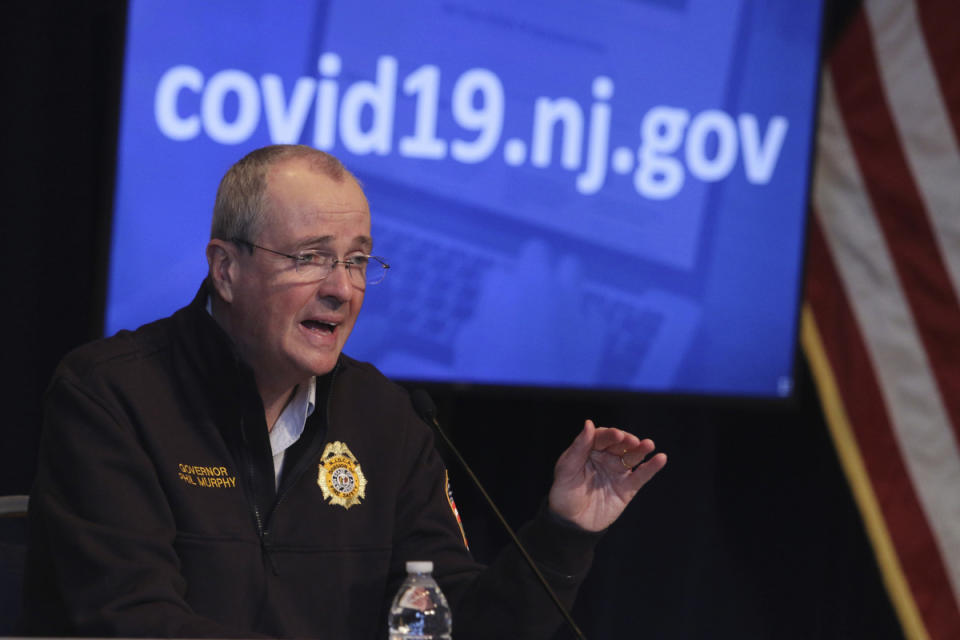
[419,566]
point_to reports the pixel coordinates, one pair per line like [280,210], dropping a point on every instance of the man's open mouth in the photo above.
[316,325]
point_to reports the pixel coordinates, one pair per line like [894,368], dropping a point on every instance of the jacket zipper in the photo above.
[252,475]
[257,517]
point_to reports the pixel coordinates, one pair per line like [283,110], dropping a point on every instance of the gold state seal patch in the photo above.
[341,478]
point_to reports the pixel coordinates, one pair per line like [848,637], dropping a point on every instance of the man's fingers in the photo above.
[607,438]
[642,474]
[579,450]
[632,456]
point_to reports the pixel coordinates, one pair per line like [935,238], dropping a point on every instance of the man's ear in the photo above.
[222,263]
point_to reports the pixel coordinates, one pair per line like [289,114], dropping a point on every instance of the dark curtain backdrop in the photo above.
[750,531]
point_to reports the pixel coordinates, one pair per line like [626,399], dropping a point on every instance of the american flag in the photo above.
[881,323]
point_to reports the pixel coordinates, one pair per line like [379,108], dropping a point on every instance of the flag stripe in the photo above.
[926,133]
[918,427]
[855,470]
[899,210]
[939,19]
[905,525]
[878,449]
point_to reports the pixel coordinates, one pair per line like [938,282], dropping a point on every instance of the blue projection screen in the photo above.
[597,195]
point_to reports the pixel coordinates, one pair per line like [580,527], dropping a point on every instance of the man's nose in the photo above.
[338,284]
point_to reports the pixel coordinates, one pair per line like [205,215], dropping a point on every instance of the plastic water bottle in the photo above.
[420,610]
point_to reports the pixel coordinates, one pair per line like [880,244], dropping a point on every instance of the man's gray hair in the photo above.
[241,197]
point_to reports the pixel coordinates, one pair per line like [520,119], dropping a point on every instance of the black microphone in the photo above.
[427,410]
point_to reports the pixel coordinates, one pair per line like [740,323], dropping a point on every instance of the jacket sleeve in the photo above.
[502,600]
[101,560]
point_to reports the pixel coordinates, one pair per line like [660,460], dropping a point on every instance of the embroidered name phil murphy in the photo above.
[203,476]
[340,477]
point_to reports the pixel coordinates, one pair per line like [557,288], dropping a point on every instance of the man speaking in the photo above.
[229,472]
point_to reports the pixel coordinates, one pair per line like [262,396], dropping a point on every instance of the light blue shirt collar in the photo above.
[290,424]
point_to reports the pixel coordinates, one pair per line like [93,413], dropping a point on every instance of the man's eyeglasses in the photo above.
[311,265]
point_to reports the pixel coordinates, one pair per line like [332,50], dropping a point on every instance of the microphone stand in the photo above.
[427,410]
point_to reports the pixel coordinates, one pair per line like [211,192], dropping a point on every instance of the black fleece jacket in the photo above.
[154,511]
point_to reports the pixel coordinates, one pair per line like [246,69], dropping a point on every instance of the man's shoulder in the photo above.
[378,410]
[370,391]
[361,369]
[365,374]
[117,352]
[138,347]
